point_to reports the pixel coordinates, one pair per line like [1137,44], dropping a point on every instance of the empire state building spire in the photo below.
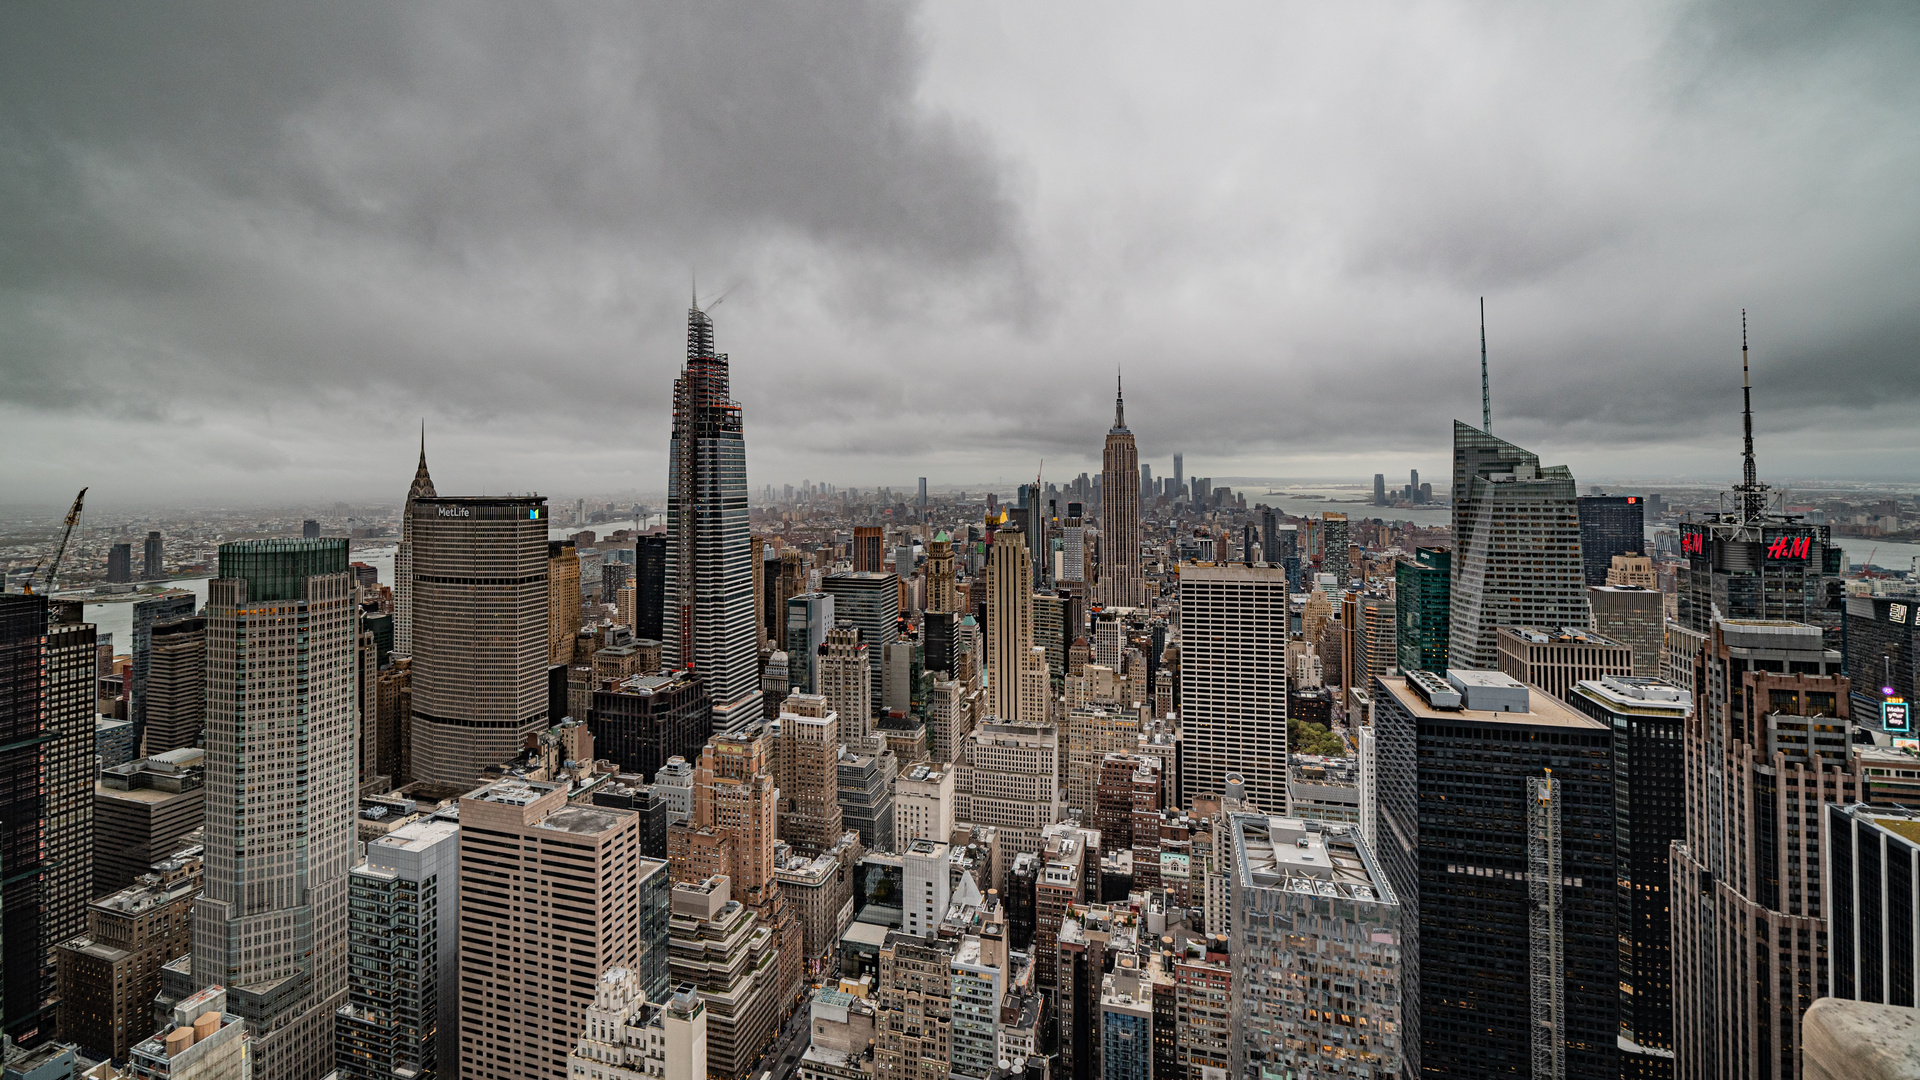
[1121,583]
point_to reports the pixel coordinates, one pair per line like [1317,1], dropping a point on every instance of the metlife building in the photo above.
[479,589]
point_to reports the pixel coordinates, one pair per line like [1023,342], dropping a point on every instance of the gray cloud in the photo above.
[276,234]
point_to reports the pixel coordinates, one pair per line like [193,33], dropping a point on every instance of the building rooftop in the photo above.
[584,820]
[1564,635]
[1543,710]
[417,835]
[1897,820]
[1327,860]
[514,792]
[1631,694]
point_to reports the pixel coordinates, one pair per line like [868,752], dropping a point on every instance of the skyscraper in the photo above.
[1750,563]
[1310,899]
[421,488]
[23,658]
[709,608]
[1769,742]
[1634,617]
[271,926]
[810,740]
[592,903]
[47,672]
[871,603]
[650,587]
[563,600]
[841,674]
[1609,525]
[1379,489]
[1233,682]
[1120,580]
[1179,473]
[1423,596]
[66,755]
[1648,718]
[1508,894]
[869,548]
[481,606]
[1516,535]
[1009,622]
[1333,547]
[940,591]
[153,566]
[1073,551]
[808,618]
[176,696]
[120,564]
[402,1016]
[146,615]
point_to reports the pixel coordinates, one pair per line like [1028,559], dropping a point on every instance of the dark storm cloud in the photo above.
[243,246]
[285,195]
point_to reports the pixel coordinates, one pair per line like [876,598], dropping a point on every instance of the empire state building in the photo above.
[709,617]
[1120,578]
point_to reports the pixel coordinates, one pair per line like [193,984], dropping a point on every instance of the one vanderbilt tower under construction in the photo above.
[709,616]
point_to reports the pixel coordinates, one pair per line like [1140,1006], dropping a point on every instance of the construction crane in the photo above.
[59,553]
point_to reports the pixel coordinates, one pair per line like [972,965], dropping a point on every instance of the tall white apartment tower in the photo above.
[1233,681]
[271,926]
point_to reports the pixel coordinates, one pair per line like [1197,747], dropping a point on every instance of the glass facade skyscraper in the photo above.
[871,602]
[1610,525]
[1457,825]
[708,617]
[1423,590]
[271,925]
[1516,537]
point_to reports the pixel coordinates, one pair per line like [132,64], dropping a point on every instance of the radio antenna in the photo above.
[1486,400]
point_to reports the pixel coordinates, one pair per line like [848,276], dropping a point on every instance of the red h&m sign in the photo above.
[1790,547]
[1693,543]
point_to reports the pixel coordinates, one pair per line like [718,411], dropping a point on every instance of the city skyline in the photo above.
[890,232]
[733,726]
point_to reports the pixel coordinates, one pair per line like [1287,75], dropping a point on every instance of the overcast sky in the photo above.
[245,247]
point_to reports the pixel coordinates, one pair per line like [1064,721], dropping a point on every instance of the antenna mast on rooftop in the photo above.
[1486,400]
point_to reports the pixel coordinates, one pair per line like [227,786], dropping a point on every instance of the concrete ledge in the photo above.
[1857,1040]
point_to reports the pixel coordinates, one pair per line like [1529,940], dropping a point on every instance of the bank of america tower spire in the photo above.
[709,616]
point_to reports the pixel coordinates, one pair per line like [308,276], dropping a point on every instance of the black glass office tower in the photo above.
[1463,835]
[649,586]
[1609,525]
[23,660]
[640,722]
[1871,865]
[1648,718]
